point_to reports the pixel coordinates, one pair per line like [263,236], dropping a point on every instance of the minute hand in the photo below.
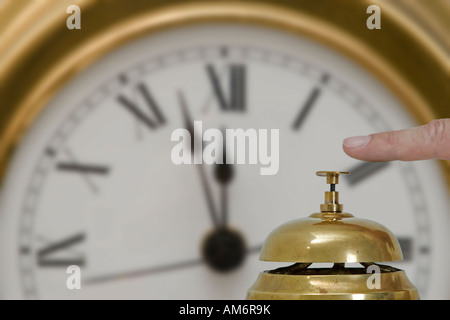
[204,181]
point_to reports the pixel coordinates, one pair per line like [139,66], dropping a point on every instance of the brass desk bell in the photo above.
[336,237]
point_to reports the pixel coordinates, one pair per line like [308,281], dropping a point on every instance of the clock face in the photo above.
[93,184]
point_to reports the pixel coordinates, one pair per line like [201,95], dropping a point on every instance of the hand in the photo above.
[224,173]
[100,278]
[201,171]
[430,141]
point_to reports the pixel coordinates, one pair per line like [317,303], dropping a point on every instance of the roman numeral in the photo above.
[364,170]
[236,99]
[309,103]
[47,256]
[153,121]
[407,247]
[85,170]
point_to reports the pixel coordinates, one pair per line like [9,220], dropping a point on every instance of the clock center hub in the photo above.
[223,249]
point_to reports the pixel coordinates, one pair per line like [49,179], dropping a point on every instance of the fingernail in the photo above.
[356,142]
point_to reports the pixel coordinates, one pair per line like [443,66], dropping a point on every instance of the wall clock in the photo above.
[87,117]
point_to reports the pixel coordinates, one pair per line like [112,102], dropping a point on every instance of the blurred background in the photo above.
[87,117]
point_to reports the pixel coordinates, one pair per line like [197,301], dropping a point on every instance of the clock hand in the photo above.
[188,123]
[201,170]
[123,275]
[223,249]
[224,174]
[142,272]
[208,195]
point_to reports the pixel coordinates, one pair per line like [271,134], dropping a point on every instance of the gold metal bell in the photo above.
[332,236]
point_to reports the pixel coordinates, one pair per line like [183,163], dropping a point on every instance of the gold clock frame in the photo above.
[410,54]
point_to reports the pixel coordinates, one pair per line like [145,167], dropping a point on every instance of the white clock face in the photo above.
[92,183]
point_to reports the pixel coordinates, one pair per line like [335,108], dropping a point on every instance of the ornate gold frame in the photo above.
[38,54]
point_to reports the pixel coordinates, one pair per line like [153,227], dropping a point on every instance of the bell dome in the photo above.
[337,238]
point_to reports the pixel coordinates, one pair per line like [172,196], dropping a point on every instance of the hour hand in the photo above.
[223,174]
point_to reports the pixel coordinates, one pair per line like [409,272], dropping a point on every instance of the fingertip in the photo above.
[354,147]
[356,142]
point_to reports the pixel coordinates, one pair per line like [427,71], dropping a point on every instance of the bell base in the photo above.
[389,286]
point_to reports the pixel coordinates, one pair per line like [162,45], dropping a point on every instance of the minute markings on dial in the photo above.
[152,122]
